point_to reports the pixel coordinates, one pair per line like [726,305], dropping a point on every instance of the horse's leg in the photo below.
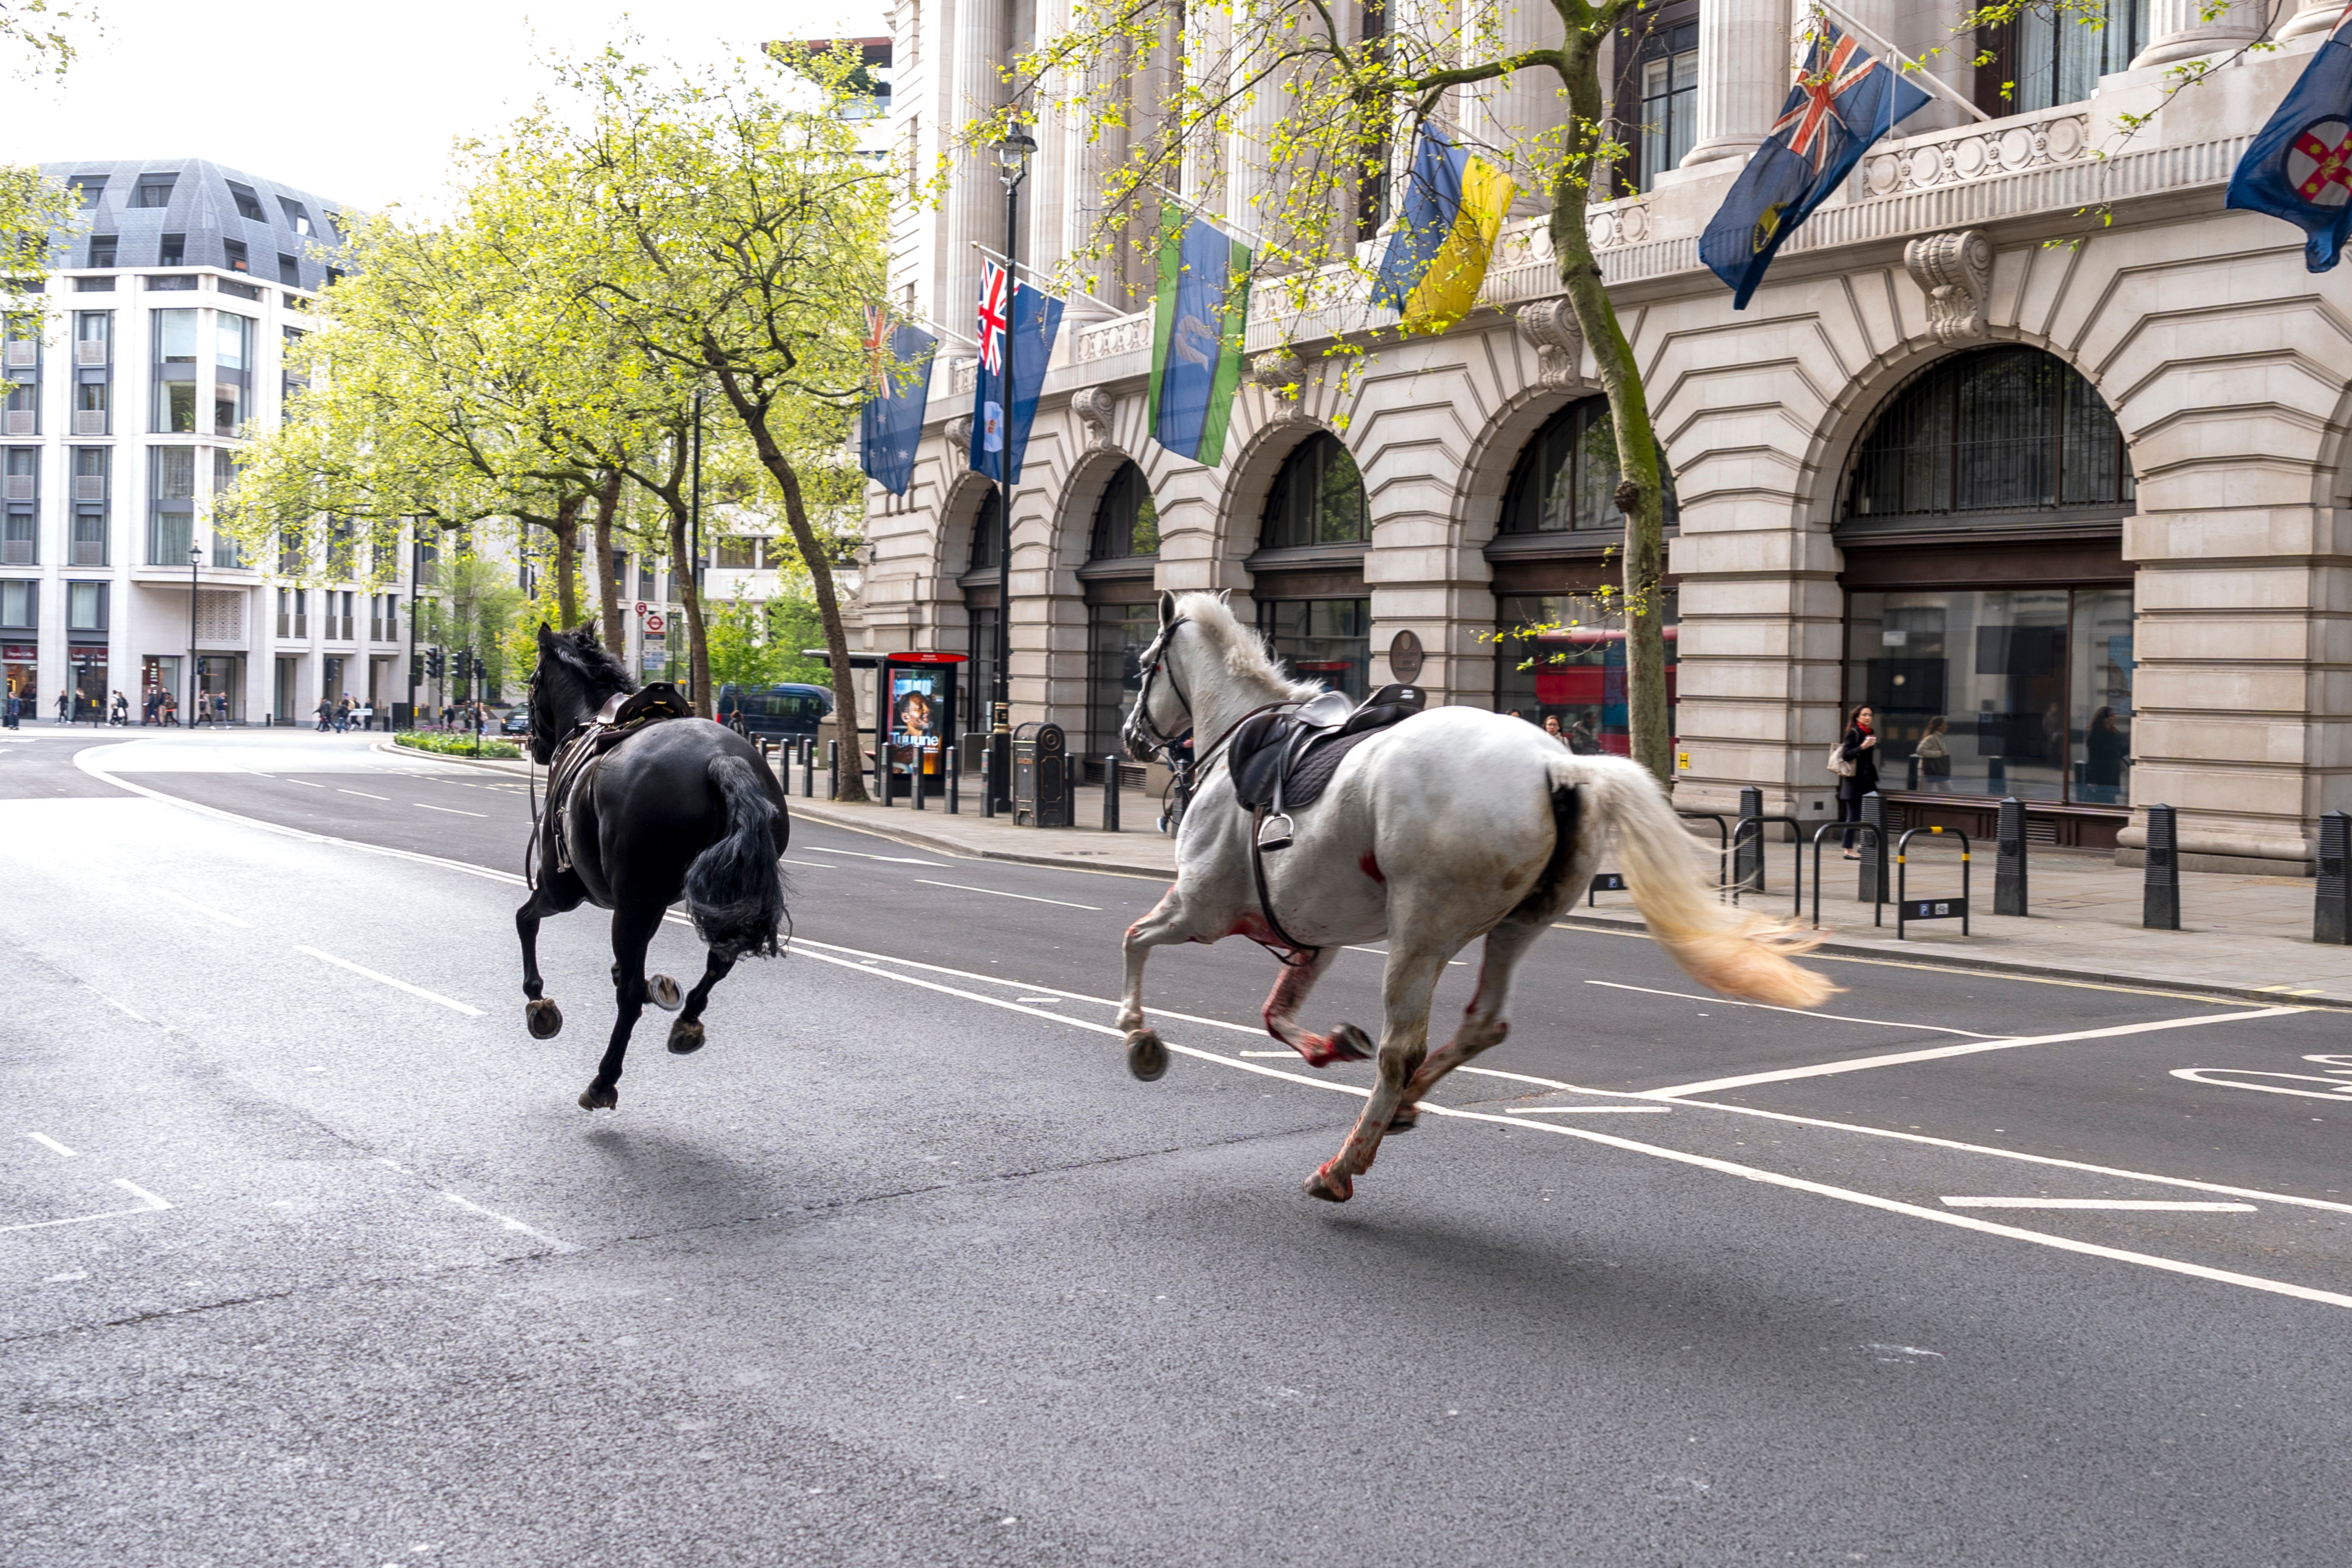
[1482,1026]
[685,1030]
[1344,1044]
[543,1019]
[1170,921]
[633,925]
[1411,974]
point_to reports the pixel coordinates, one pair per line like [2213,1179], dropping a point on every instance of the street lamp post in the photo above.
[1013,166]
[195,559]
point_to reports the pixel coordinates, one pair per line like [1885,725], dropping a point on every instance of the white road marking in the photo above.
[1683,1157]
[1266,1053]
[149,1204]
[960,888]
[127,1012]
[1935,1053]
[860,854]
[1801,1012]
[202,909]
[46,1141]
[815,864]
[2339,1092]
[510,1223]
[450,810]
[1580,1110]
[361,793]
[395,985]
[306,783]
[1383,952]
[2161,1206]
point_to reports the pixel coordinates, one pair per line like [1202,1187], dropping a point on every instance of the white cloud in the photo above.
[355,103]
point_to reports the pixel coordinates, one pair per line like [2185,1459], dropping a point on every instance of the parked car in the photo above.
[789,712]
[518,720]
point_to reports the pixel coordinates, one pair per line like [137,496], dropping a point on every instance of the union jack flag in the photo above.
[1811,112]
[995,308]
[877,339]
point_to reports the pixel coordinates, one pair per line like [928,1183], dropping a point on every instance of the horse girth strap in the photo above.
[1300,954]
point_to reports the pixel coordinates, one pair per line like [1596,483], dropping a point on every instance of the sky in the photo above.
[353,103]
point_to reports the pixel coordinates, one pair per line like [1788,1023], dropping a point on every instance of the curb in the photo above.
[496,765]
[915,840]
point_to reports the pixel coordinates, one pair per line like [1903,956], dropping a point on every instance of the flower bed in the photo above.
[457,743]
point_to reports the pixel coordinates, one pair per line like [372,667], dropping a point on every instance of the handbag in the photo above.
[1839,763]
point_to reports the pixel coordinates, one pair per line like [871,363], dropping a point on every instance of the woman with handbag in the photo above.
[1855,762]
[1935,750]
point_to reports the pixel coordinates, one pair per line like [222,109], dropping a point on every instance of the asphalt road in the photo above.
[308,1257]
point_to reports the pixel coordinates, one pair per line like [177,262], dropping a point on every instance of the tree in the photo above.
[35,39]
[730,234]
[1322,109]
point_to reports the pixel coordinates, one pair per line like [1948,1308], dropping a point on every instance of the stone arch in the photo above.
[1242,502]
[1074,508]
[958,509]
[1485,470]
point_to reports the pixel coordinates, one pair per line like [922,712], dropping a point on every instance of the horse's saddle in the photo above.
[624,715]
[1281,759]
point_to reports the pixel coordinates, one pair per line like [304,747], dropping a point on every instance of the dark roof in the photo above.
[206,205]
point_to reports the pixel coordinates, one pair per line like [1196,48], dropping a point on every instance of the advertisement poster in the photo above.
[915,735]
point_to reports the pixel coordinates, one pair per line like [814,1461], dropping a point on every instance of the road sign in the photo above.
[1935,910]
[654,624]
[641,607]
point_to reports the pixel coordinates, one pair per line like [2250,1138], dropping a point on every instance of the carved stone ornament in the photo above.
[1095,409]
[1280,372]
[1551,325]
[959,435]
[1956,270]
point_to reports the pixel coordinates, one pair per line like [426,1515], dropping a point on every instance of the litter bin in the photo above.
[1042,792]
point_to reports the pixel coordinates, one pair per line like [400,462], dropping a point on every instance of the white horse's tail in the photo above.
[1719,945]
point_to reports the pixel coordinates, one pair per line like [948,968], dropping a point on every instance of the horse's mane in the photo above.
[1244,649]
[598,672]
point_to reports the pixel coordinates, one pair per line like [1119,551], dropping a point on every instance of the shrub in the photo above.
[458,744]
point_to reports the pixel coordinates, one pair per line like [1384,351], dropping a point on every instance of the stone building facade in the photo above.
[2025,440]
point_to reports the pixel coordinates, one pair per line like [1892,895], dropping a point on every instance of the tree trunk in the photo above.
[1641,495]
[566,529]
[820,569]
[608,592]
[681,578]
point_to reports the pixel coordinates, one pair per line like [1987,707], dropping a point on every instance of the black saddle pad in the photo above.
[1267,744]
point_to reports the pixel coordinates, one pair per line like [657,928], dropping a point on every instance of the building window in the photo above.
[88,189]
[1559,661]
[93,402]
[226,550]
[290,271]
[297,216]
[93,337]
[1127,523]
[248,205]
[102,249]
[232,373]
[1668,65]
[645,579]
[91,535]
[1329,640]
[987,529]
[1318,498]
[737,552]
[20,474]
[153,191]
[172,251]
[23,416]
[1372,183]
[20,606]
[175,373]
[293,612]
[342,550]
[2027,692]
[93,285]
[2052,54]
[20,537]
[1998,430]
[85,606]
[235,252]
[1116,636]
[91,490]
[1566,477]
[171,526]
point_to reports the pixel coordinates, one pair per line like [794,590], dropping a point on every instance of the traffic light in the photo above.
[465,666]
[416,669]
[434,663]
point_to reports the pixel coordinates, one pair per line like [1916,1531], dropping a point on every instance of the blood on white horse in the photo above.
[1450,827]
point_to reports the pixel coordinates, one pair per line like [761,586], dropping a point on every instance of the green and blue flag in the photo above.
[1196,337]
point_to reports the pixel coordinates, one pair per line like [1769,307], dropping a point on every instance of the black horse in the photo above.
[676,808]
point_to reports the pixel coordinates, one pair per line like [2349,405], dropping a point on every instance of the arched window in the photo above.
[1567,476]
[985,530]
[1987,432]
[1127,523]
[1318,499]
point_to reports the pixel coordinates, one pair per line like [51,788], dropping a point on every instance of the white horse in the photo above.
[1453,825]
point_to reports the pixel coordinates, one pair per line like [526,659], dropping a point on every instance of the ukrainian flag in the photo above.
[1454,209]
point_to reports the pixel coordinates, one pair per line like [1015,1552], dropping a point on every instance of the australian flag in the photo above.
[1016,325]
[2299,166]
[899,389]
[1844,100]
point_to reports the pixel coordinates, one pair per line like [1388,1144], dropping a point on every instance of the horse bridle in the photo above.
[1157,654]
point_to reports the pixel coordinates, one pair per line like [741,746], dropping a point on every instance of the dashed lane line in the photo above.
[51,1144]
[203,909]
[998,892]
[2136,1205]
[453,1006]
[1800,1012]
[447,810]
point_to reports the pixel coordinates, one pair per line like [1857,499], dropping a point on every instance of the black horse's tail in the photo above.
[735,890]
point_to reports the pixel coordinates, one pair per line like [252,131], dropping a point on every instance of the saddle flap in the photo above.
[1392,705]
[1254,755]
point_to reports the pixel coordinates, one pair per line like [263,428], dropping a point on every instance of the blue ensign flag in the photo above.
[1016,339]
[891,424]
[1844,100]
[2299,165]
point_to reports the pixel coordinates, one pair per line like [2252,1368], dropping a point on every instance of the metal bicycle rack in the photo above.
[1877,839]
[1908,909]
[1796,858]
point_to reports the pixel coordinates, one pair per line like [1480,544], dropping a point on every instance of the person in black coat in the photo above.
[1859,747]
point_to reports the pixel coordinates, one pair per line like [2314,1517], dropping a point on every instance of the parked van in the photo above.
[777,712]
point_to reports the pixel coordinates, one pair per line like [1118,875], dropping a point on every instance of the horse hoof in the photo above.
[664,993]
[1350,1044]
[600,1097]
[544,1019]
[1407,1118]
[1147,1059]
[685,1038]
[1332,1186]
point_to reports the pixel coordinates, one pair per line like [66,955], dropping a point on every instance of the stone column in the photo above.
[1743,75]
[2315,17]
[2178,32]
[1513,114]
[1091,148]
[975,200]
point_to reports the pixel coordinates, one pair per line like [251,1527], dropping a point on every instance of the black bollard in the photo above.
[987,774]
[808,769]
[2160,899]
[1875,852]
[1748,844]
[2009,860]
[953,758]
[1110,793]
[2331,920]
[918,783]
[833,770]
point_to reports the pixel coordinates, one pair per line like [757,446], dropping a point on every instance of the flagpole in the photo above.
[1259,240]
[1040,277]
[1928,82]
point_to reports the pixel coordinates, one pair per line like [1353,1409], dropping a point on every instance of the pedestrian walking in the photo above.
[367,717]
[8,711]
[121,717]
[1859,775]
[171,711]
[65,709]
[326,715]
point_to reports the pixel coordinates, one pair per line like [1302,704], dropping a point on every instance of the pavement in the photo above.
[306,1254]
